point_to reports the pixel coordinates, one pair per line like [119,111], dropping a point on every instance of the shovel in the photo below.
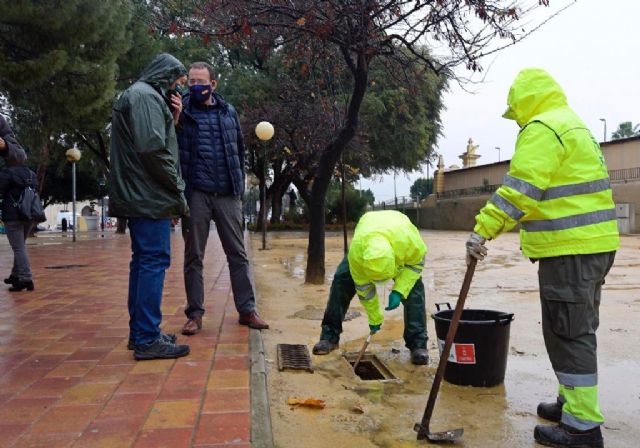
[422,428]
[362,350]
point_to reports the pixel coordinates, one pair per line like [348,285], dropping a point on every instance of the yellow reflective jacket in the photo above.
[385,245]
[557,186]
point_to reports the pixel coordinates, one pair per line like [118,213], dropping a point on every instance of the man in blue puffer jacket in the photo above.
[212,161]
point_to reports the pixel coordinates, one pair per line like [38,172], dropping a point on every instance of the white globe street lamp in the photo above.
[264,132]
[73,156]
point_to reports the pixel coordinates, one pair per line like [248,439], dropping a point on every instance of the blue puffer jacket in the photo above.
[211,159]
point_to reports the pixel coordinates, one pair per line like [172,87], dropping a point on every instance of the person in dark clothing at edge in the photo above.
[146,188]
[13,179]
[212,160]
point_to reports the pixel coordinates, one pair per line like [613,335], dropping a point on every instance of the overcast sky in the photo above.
[592,49]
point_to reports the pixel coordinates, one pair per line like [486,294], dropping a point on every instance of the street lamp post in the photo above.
[102,184]
[605,128]
[264,131]
[73,156]
[498,148]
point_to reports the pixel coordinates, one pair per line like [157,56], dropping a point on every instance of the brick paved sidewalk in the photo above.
[67,378]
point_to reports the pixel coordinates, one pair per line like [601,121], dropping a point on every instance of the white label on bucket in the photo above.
[460,353]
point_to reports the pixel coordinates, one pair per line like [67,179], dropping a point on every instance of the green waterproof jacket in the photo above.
[385,245]
[144,180]
[557,186]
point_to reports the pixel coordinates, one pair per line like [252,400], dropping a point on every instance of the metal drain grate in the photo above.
[294,356]
[66,266]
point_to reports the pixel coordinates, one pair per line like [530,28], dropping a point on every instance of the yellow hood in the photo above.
[533,91]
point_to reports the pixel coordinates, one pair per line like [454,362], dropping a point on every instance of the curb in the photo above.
[261,430]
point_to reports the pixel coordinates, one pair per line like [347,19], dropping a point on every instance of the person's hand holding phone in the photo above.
[176,107]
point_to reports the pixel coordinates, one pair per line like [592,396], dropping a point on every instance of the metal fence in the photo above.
[404,202]
[624,174]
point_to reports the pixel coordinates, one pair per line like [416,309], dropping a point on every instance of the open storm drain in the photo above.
[370,368]
[294,356]
[66,266]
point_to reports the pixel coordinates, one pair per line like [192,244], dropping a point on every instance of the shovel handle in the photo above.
[423,426]
[362,350]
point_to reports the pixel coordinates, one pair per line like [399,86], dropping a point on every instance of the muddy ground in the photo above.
[382,414]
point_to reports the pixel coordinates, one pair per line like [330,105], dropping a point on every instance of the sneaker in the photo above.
[565,436]
[550,411]
[324,347]
[160,349]
[167,337]
[420,356]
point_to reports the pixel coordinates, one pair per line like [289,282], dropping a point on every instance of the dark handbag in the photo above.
[29,206]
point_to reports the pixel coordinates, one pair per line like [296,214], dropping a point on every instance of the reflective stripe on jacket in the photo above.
[385,245]
[557,186]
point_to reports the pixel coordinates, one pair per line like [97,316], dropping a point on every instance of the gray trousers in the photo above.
[17,233]
[570,297]
[570,289]
[226,212]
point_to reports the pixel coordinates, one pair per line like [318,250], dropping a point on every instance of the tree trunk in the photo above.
[315,253]
[278,190]
[44,163]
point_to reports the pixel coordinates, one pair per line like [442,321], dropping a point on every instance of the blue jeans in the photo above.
[151,256]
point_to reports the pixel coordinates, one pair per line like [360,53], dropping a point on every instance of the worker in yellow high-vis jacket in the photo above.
[558,189]
[385,246]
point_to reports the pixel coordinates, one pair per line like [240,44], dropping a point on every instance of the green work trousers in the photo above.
[570,300]
[342,291]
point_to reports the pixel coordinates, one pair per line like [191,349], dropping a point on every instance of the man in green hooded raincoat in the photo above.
[558,190]
[146,188]
[385,246]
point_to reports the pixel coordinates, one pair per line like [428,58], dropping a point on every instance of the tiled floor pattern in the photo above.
[68,380]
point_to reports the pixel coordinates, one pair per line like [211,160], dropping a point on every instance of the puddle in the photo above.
[311,313]
[295,265]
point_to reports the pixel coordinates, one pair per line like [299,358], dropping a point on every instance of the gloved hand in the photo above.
[475,247]
[374,328]
[394,300]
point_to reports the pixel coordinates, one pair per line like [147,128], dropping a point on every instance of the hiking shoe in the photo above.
[160,349]
[168,337]
[420,356]
[550,411]
[324,346]
[565,436]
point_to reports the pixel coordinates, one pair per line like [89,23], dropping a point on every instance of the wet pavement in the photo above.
[67,378]
[382,413]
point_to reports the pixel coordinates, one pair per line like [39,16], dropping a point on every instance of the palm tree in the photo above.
[626,129]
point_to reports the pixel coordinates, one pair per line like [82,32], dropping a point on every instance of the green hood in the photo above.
[163,71]
[534,91]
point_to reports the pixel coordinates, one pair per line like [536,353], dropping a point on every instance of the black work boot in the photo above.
[167,337]
[420,356]
[160,349]
[324,346]
[20,285]
[550,411]
[11,279]
[564,436]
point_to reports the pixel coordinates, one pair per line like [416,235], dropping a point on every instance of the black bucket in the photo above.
[478,356]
